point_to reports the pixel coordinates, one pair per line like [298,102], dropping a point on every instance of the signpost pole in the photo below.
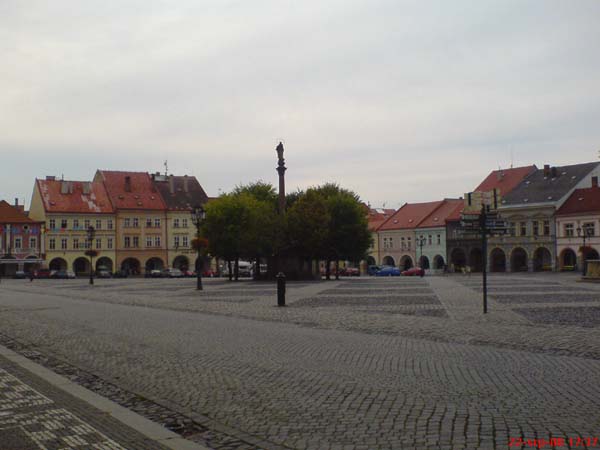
[483,229]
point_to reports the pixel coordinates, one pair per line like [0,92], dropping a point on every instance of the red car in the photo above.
[414,272]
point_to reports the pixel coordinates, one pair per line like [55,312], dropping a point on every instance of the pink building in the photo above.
[20,240]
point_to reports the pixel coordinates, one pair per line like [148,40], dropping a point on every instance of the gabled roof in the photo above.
[376,216]
[10,214]
[438,217]
[63,196]
[409,216]
[130,190]
[543,187]
[581,201]
[180,193]
[505,180]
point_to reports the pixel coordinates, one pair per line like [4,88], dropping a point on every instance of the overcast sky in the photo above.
[401,101]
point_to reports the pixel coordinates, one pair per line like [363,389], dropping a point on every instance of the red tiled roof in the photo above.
[456,212]
[581,201]
[142,195]
[438,217]
[74,200]
[505,180]
[376,216]
[10,214]
[409,216]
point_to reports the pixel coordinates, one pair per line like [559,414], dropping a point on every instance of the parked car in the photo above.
[414,272]
[42,273]
[349,272]
[388,271]
[208,273]
[372,270]
[120,274]
[103,274]
[63,274]
[187,273]
[20,275]
[244,269]
[171,273]
[154,273]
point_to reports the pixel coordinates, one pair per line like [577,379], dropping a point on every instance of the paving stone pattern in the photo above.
[376,374]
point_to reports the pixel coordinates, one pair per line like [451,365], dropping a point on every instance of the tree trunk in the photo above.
[230,274]
[237,269]
[327,269]
[337,269]
[257,269]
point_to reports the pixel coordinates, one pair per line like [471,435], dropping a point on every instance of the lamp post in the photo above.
[585,232]
[198,215]
[420,242]
[91,233]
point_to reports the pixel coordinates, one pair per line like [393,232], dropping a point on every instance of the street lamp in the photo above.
[198,215]
[420,243]
[91,233]
[587,232]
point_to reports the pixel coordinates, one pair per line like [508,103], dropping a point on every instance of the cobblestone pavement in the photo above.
[35,415]
[365,363]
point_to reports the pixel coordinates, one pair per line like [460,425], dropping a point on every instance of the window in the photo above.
[109,243]
[63,223]
[391,243]
[136,241]
[127,222]
[546,228]
[32,242]
[176,241]
[52,244]
[98,244]
[589,229]
[523,228]
[185,241]
[148,222]
[569,230]
[536,228]
[157,241]
[63,244]
[86,223]
[52,224]
[429,240]
[402,244]
[98,224]
[149,241]
[184,223]
[157,222]
[176,223]
[512,228]
[76,244]
[439,239]
[408,243]
[109,224]
[18,243]
[127,242]
[385,244]
[75,223]
[136,222]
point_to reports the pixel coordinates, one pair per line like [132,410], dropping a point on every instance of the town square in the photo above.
[341,225]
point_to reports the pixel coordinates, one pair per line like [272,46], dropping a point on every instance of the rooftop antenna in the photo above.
[166,164]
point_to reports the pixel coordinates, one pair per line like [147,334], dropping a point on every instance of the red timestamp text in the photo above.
[554,442]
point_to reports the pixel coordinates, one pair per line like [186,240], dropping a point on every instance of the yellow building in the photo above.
[68,209]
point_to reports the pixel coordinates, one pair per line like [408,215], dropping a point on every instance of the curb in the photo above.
[133,420]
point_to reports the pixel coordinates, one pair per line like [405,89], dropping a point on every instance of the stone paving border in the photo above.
[90,404]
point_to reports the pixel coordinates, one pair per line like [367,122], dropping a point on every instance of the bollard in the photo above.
[280,289]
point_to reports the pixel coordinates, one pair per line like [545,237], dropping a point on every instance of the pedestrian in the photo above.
[31,276]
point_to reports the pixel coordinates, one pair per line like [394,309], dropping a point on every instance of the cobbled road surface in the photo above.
[350,364]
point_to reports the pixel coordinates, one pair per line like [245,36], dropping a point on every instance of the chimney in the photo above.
[50,178]
[16,201]
[128,184]
[594,182]
[500,175]
[546,170]
[185,184]
[171,184]
[553,172]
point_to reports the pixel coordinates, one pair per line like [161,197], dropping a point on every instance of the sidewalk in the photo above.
[42,410]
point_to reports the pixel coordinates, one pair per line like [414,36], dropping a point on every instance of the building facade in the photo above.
[21,240]
[529,210]
[68,209]
[578,228]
